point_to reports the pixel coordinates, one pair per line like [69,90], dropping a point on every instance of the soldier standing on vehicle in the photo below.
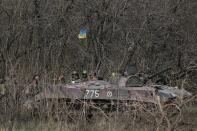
[75,77]
[61,79]
[92,76]
[84,75]
[114,77]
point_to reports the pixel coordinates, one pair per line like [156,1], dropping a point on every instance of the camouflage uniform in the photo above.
[114,77]
[92,76]
[75,77]
[61,79]
[84,75]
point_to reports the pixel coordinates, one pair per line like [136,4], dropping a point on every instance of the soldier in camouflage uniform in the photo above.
[84,75]
[75,77]
[61,79]
[92,76]
[114,77]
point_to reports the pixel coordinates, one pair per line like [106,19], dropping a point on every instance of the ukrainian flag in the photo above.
[82,34]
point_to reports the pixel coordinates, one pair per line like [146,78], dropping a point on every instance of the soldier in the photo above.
[61,79]
[84,75]
[114,77]
[92,76]
[75,77]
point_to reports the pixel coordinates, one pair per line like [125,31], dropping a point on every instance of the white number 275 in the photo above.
[91,93]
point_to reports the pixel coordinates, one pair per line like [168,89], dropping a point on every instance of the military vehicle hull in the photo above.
[85,97]
[104,91]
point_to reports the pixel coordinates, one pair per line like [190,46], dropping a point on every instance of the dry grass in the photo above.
[164,117]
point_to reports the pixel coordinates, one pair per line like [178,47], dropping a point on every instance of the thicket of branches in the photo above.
[40,36]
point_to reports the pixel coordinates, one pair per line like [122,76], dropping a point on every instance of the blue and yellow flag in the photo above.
[83,34]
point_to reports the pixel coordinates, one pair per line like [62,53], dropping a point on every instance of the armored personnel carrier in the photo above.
[96,96]
[128,89]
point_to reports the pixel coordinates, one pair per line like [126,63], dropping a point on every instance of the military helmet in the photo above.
[75,75]
[113,74]
[84,72]
[74,72]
